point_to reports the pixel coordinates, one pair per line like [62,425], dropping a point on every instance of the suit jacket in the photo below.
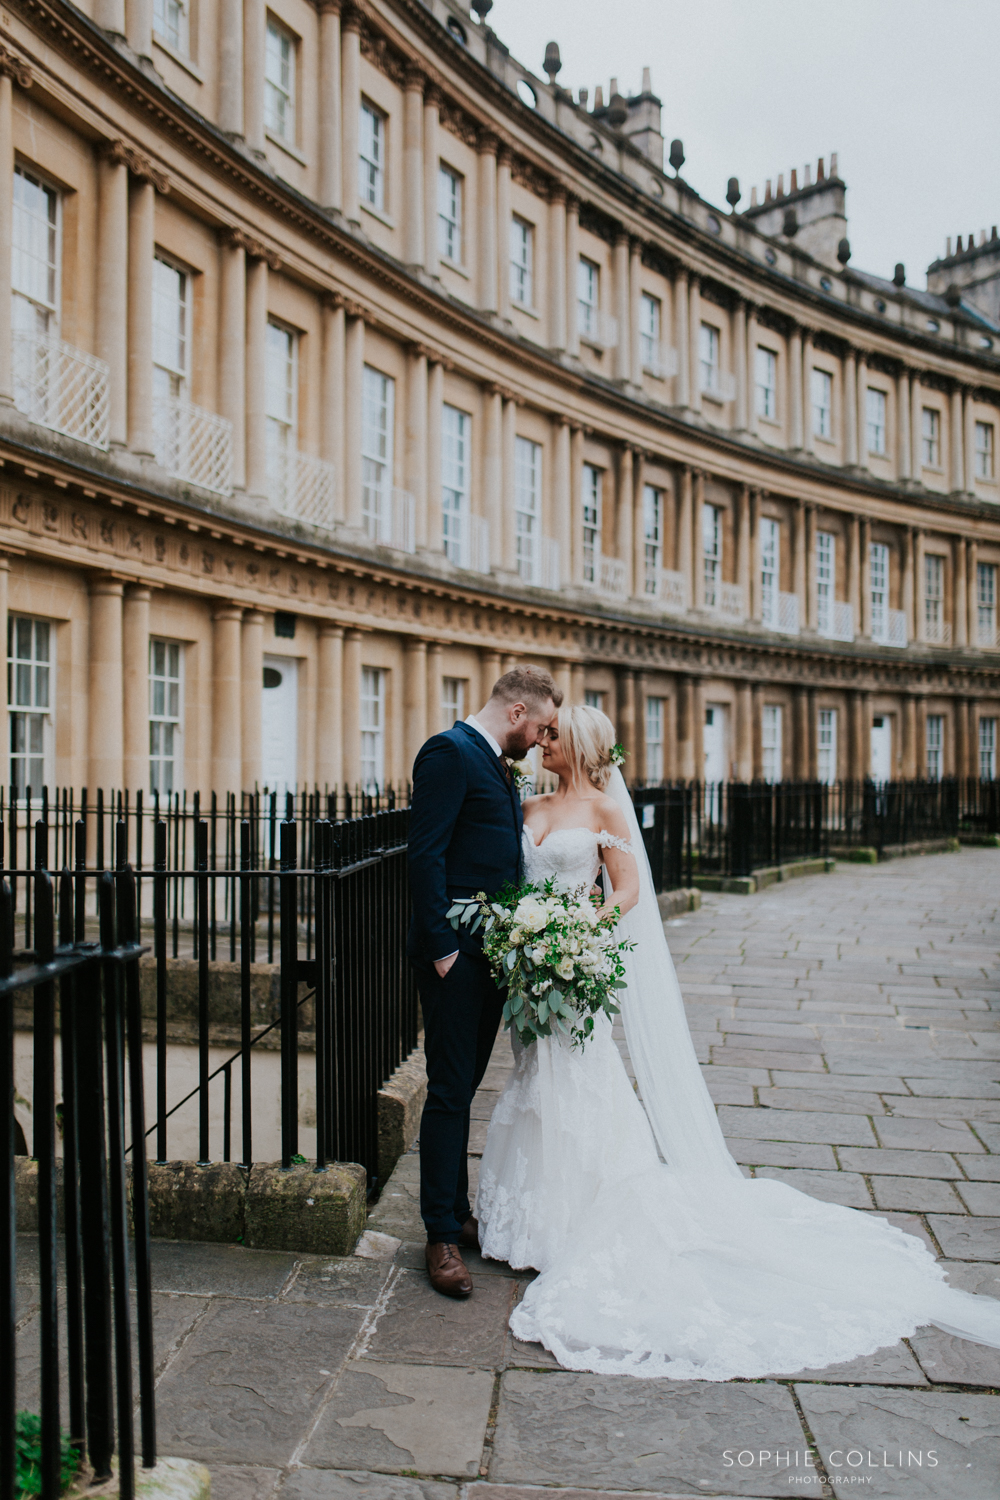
[465,836]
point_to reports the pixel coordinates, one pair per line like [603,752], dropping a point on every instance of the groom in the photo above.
[465,837]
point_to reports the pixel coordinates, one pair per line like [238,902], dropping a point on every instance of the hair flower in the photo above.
[616,755]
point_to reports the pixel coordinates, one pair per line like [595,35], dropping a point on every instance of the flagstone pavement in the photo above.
[849,1027]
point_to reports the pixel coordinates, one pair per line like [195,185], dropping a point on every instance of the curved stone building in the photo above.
[346,361]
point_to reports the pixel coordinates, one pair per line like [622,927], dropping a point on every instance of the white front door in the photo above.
[279,721]
[881,748]
[716,743]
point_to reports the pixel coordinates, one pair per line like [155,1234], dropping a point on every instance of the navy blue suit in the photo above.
[465,837]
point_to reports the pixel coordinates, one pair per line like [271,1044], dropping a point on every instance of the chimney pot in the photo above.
[753,197]
[821,170]
[584,97]
[833,163]
[647,81]
[807,175]
[982,236]
[767,192]
[613,89]
[993,232]
[781,184]
[793,186]
[947,248]
[599,96]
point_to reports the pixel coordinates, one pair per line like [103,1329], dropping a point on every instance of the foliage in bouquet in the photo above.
[558,960]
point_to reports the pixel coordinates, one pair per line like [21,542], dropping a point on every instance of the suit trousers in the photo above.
[462,1013]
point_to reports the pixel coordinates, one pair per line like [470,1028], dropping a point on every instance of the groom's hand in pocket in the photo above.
[442,965]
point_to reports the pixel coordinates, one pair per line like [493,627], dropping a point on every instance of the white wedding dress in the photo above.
[657,1256]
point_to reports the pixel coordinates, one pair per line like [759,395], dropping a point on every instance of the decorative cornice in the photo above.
[14,67]
[138,163]
[255,248]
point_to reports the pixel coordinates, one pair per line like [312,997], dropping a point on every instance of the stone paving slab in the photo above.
[922,1194]
[927,1135]
[961,1431]
[846,1188]
[602,1432]
[900,1163]
[966,1239]
[797,1125]
[332,1484]
[243,1482]
[418,1325]
[980,1197]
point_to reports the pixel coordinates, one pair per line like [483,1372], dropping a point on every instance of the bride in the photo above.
[657,1256]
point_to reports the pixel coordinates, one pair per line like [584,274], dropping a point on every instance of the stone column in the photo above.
[693,342]
[861,388]
[557,268]
[739,338]
[226,699]
[956,444]
[920,633]
[577,682]
[755,581]
[330,189]
[799,560]
[4,591]
[354,370]
[502,249]
[139,27]
[142,207]
[744,732]
[795,425]
[685,728]
[329,697]
[435,402]
[332,393]
[916,420]
[866,578]
[112,280]
[230,54]
[493,468]
[623,308]
[575,503]
[254,43]
[682,338]
[6,235]
[909,589]
[487,283]
[489,671]
[625,721]
[849,371]
[233,348]
[807,405]
[904,446]
[698,727]
[697,595]
[135,675]
[507,540]
[563,674]
[969,446]
[634,299]
[960,606]
[854,569]
[743,548]
[350,103]
[756,730]
[750,363]
[801,770]
[859,762]
[624,501]
[639,753]
[351,709]
[972,590]
[960,713]
[106,696]
[435,715]
[432,164]
[562,501]
[572,259]
[921,737]
[909,735]
[415,701]
[414,238]
[638,523]
[810,567]
[416,437]
[685,539]
[251,698]
[256,379]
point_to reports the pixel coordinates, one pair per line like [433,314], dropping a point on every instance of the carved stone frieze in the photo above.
[255,248]
[12,66]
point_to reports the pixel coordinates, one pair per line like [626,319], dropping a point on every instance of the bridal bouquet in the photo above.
[557,959]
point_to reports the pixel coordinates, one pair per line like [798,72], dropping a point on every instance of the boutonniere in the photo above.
[617,756]
[522,772]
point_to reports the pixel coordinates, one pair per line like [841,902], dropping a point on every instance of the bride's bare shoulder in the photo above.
[610,818]
[539,800]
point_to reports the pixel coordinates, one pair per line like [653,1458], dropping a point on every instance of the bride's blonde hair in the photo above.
[588,738]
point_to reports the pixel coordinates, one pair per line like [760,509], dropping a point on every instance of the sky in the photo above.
[905,91]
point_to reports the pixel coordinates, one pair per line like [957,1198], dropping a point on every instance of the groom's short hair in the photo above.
[527,685]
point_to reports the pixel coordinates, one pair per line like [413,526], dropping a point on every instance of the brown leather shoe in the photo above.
[447,1272]
[469,1237]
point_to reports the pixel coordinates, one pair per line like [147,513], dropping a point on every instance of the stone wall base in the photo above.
[674,903]
[748,885]
[170,1479]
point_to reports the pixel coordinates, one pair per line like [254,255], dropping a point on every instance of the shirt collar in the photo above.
[493,744]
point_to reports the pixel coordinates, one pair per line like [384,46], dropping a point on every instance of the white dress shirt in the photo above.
[495,747]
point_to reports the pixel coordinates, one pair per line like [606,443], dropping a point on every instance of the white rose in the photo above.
[531,914]
[564,968]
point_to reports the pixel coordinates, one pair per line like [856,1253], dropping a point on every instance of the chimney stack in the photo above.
[647,81]
[781,184]
[599,96]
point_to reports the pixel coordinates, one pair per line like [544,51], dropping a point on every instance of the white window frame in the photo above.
[171,24]
[373,695]
[281,426]
[650,330]
[711,554]
[986,602]
[770,742]
[456,458]
[588,297]
[280,66]
[378,419]
[451,193]
[166,715]
[930,437]
[655,719]
[709,354]
[878,575]
[522,259]
[875,421]
[985,450]
[770,571]
[35,311]
[528,508]
[826,745]
[453,697]
[766,383]
[933,591]
[822,403]
[591,520]
[30,701]
[372,156]
[170,343]
[652,527]
[934,747]
[594,698]
[987,749]
[826,581]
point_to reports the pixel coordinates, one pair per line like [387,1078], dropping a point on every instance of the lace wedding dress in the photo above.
[657,1256]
